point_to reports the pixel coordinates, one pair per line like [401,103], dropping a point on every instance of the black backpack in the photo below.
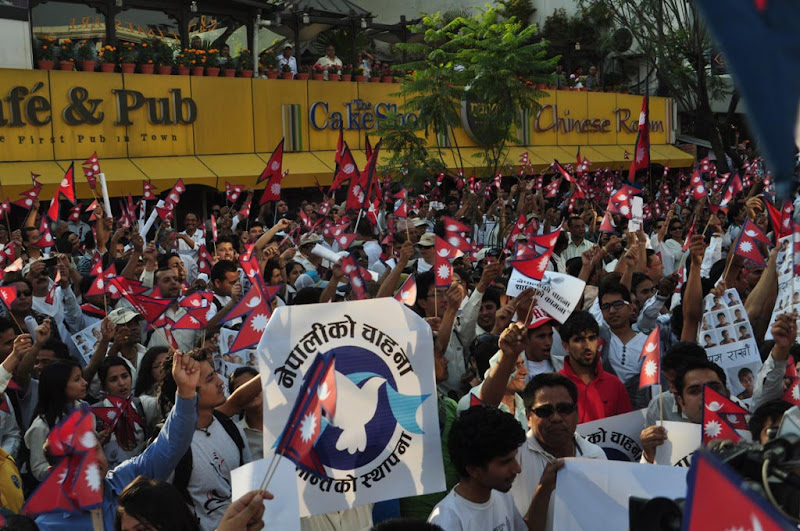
[183,471]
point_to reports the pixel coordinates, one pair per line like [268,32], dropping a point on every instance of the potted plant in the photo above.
[347,73]
[147,63]
[44,53]
[212,62]
[183,61]
[86,56]
[286,72]
[268,64]
[359,75]
[375,73]
[398,75]
[386,75]
[66,55]
[244,62]
[128,55]
[305,73]
[333,72]
[198,61]
[162,56]
[107,57]
[228,66]
[318,72]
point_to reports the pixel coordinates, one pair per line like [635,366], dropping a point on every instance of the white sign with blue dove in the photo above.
[350,399]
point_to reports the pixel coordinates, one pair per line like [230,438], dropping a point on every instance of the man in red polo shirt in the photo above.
[600,394]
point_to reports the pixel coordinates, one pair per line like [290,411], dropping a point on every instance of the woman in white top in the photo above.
[148,381]
[61,391]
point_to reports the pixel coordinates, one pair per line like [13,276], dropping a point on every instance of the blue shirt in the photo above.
[156,462]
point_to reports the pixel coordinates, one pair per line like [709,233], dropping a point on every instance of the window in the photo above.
[61,20]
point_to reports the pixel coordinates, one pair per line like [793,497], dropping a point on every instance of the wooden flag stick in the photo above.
[660,405]
[97,519]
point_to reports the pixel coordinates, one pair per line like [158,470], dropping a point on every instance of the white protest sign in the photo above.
[788,285]
[557,294]
[727,336]
[602,488]
[637,214]
[282,512]
[683,440]
[86,339]
[383,441]
[618,436]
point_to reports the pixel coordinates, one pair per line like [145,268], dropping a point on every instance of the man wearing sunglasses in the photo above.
[551,404]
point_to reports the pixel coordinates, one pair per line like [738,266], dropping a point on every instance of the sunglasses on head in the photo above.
[546,411]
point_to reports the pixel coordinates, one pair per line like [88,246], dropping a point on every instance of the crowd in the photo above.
[190,402]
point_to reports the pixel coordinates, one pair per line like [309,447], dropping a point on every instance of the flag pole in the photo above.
[97,519]
[660,401]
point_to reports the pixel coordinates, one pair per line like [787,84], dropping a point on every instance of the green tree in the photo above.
[485,60]
[676,44]
[589,27]
[522,10]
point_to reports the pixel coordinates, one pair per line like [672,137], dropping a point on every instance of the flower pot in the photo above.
[128,68]
[164,70]
[147,68]
[271,74]
[248,73]
[346,77]
[212,71]
[375,79]
[551,87]
[45,64]
[66,65]
[318,77]
[387,79]
[87,66]
[197,70]
[333,77]
[287,75]
[360,79]
[183,70]
[107,67]
[397,80]
[229,72]
[302,77]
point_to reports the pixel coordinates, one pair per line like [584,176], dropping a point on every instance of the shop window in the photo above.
[62,20]
[136,25]
[215,31]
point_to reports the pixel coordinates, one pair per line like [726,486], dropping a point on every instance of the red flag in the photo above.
[5,206]
[607,225]
[746,247]
[357,276]
[641,158]
[689,235]
[340,147]
[272,191]
[346,171]
[192,320]
[451,225]
[711,481]
[213,228]
[75,214]
[792,394]
[546,241]
[551,190]
[367,147]
[29,196]
[345,240]
[274,165]
[535,267]
[446,250]
[753,231]
[51,494]
[147,193]
[91,169]
[8,294]
[475,401]
[203,260]
[442,268]
[87,483]
[45,238]
[233,191]
[198,299]
[718,410]
[459,242]
[402,210]
[650,373]
[317,396]
[67,185]
[407,294]
[257,297]
[698,186]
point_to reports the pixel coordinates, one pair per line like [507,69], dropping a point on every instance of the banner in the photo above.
[788,294]
[727,336]
[557,294]
[86,339]
[281,512]
[603,488]
[383,440]
[683,440]
[618,436]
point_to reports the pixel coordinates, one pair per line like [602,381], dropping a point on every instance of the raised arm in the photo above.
[761,301]
[693,293]
[390,281]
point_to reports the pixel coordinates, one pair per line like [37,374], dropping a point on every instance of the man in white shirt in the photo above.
[578,244]
[190,240]
[483,444]
[329,59]
[287,58]
[623,346]
[551,401]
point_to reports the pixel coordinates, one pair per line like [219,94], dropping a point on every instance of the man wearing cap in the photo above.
[307,259]
[427,252]
[127,338]
[287,58]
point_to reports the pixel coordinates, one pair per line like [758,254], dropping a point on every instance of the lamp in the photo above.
[306,19]
[118,3]
[278,19]
[578,46]
[363,23]
[193,6]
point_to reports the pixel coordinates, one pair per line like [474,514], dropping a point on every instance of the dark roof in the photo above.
[332,8]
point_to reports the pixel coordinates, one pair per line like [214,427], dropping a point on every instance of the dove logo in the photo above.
[370,411]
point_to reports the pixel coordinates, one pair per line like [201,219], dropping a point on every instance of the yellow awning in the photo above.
[670,156]
[303,169]
[122,178]
[15,178]
[615,156]
[164,171]
[551,153]
[235,169]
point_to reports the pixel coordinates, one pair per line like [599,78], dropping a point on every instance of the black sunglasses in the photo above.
[425,246]
[546,411]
